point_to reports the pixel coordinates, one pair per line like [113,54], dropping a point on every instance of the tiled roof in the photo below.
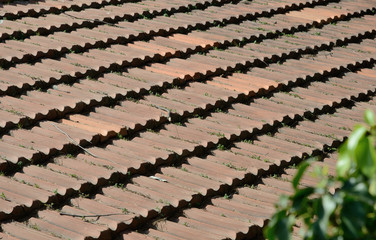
[172,119]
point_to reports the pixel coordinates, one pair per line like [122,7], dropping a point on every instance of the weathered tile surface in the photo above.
[172,119]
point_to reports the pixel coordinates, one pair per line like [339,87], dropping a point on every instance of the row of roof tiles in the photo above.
[42,46]
[80,172]
[200,98]
[203,176]
[134,75]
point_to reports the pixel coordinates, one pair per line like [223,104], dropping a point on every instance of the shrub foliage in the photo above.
[338,207]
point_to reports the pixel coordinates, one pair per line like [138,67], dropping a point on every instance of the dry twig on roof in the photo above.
[74,141]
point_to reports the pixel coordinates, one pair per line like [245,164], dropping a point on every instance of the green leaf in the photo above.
[353,216]
[348,151]
[283,201]
[369,117]
[279,227]
[366,156]
[357,189]
[344,161]
[302,167]
[324,207]
[372,186]
[300,199]
[355,137]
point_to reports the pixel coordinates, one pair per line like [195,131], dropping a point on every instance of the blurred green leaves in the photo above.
[347,213]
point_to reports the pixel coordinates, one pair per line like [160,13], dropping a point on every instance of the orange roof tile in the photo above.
[172,119]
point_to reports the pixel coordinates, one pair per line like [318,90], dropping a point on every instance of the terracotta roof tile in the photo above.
[147,119]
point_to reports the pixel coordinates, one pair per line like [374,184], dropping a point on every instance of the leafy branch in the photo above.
[339,207]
